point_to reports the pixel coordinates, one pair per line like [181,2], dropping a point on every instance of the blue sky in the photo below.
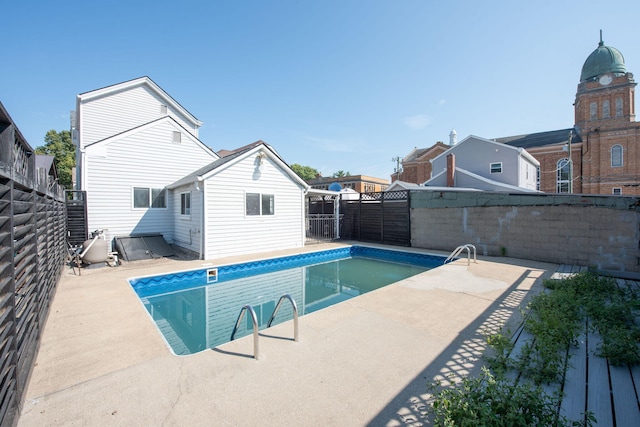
[335,85]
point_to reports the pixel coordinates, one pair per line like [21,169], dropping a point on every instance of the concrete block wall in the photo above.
[596,231]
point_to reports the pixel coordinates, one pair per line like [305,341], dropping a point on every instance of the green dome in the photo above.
[605,59]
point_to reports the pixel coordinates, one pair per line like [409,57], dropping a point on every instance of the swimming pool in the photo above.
[197,309]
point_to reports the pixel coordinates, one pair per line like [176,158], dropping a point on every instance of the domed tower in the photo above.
[605,95]
[609,152]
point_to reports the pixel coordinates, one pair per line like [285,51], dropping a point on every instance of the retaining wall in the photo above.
[596,231]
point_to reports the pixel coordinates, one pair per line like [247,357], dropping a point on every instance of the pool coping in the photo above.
[365,361]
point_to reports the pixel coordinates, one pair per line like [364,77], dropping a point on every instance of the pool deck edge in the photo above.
[364,361]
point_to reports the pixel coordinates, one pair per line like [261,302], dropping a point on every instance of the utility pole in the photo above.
[397,168]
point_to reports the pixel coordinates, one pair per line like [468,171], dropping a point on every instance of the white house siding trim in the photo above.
[147,158]
[230,232]
[105,116]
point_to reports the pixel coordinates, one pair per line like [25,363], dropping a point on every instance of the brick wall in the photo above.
[596,231]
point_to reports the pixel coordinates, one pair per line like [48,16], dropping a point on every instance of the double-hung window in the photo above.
[258,204]
[145,197]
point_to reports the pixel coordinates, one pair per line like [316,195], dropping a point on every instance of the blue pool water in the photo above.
[196,310]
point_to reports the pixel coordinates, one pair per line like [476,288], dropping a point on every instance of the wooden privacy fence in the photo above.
[383,217]
[32,255]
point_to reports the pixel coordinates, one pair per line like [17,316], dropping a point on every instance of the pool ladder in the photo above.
[254,320]
[457,251]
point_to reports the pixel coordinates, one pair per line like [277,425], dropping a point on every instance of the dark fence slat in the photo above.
[32,255]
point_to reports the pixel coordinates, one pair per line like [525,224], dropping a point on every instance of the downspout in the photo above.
[200,188]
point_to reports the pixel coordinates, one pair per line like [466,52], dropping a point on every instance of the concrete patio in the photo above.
[366,361]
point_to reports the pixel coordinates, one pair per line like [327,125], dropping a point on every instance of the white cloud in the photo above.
[417,122]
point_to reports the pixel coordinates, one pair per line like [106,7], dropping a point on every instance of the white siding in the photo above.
[476,155]
[110,115]
[187,231]
[231,232]
[148,158]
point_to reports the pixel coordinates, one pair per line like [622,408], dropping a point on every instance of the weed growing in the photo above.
[556,318]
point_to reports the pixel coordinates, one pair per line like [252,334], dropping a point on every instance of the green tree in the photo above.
[340,174]
[305,172]
[60,146]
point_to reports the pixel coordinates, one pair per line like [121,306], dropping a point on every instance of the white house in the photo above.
[145,171]
[483,164]
[133,140]
[248,201]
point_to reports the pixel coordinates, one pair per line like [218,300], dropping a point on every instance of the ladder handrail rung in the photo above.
[295,314]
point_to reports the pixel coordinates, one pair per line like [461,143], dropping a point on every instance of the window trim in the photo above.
[617,146]
[185,211]
[261,204]
[618,193]
[150,198]
[495,165]
[559,170]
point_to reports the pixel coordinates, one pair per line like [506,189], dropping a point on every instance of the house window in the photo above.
[177,137]
[144,197]
[563,176]
[185,204]
[496,167]
[617,191]
[616,156]
[163,109]
[606,111]
[259,204]
[593,111]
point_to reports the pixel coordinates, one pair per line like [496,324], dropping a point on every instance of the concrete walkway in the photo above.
[366,361]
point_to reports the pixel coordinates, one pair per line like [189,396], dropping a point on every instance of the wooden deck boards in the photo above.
[591,384]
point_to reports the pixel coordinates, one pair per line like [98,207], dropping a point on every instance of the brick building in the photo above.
[359,183]
[603,143]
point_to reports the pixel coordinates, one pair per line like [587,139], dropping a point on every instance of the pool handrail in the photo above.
[295,314]
[461,248]
[254,320]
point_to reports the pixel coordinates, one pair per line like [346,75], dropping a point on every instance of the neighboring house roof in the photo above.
[46,162]
[224,162]
[416,153]
[469,139]
[148,125]
[402,185]
[472,180]
[540,139]
[139,82]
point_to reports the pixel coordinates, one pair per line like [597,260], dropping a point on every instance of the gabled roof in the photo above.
[141,81]
[225,162]
[46,162]
[402,185]
[416,153]
[540,139]
[148,125]
[520,150]
[224,152]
